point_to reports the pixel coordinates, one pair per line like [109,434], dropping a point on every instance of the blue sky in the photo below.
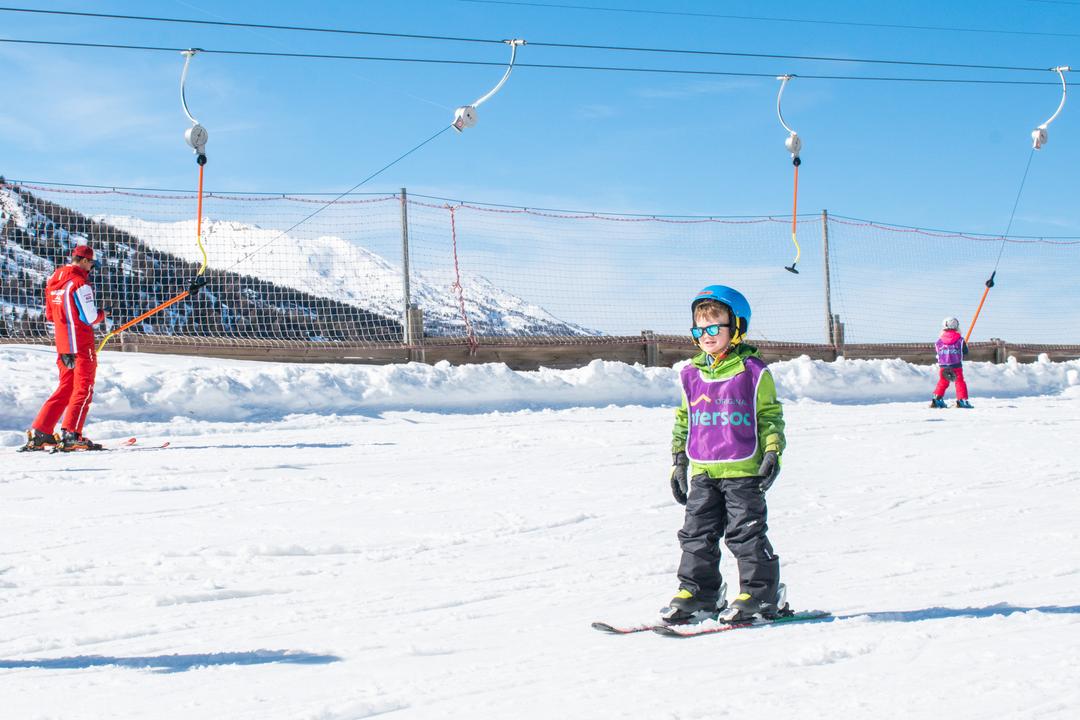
[941,156]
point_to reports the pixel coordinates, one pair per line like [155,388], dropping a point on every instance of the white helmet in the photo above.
[950,323]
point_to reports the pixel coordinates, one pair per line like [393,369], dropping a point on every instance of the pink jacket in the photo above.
[951,349]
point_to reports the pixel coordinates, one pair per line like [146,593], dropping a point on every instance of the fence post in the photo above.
[406,326]
[830,328]
[1001,351]
[414,324]
[838,335]
[652,350]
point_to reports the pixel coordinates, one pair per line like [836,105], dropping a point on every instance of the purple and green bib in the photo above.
[722,414]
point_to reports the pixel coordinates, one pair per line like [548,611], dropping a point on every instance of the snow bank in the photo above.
[874,381]
[134,387]
[159,387]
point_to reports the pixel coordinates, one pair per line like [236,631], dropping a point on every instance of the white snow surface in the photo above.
[338,542]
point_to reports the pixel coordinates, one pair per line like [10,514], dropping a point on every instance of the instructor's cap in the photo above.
[83,251]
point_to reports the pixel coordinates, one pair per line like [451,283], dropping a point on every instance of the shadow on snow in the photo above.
[942,613]
[174,663]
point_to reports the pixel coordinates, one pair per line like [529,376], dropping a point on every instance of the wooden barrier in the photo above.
[647,349]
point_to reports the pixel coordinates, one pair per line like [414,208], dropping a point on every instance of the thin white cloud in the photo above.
[58,103]
[1069,224]
[598,111]
[697,89]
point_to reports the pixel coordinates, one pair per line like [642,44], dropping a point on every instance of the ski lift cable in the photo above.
[557,45]
[794,146]
[541,66]
[802,22]
[1039,138]
[1016,204]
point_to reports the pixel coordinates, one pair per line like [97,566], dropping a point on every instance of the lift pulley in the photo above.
[465,116]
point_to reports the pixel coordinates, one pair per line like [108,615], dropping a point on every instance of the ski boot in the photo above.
[75,442]
[747,608]
[37,440]
[964,404]
[687,609]
[937,401]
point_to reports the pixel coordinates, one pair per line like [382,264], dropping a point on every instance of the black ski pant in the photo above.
[732,509]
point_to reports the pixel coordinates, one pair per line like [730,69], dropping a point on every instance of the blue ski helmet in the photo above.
[733,299]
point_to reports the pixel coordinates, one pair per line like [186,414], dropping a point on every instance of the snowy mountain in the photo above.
[133,277]
[332,267]
[322,288]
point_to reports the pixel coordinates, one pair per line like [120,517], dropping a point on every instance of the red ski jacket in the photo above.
[69,306]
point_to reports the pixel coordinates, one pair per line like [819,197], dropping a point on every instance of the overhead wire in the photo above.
[562,6]
[540,66]
[758,18]
[559,45]
[255,26]
[383,83]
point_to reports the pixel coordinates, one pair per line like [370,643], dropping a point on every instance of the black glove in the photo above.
[196,285]
[69,360]
[678,477]
[769,469]
[948,373]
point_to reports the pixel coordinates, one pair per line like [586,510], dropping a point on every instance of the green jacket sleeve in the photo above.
[681,429]
[770,416]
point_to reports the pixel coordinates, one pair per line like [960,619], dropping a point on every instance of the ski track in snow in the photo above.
[439,565]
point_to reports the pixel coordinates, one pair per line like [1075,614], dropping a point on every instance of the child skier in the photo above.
[951,350]
[69,305]
[728,438]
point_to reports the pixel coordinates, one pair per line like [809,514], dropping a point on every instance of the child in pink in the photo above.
[951,350]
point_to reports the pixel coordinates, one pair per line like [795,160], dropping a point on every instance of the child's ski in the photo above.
[711,628]
[706,628]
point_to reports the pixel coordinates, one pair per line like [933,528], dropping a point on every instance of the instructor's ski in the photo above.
[710,628]
[625,629]
[130,442]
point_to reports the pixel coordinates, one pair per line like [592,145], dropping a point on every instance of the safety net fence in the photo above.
[314,270]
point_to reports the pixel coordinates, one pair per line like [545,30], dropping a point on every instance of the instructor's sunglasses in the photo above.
[713,330]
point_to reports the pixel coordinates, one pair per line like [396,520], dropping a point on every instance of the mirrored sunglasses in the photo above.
[713,330]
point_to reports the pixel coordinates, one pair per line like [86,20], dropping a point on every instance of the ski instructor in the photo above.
[69,306]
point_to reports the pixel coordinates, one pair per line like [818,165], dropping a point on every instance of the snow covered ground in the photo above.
[341,542]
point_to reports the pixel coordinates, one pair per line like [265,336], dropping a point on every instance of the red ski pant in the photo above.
[943,383]
[72,396]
